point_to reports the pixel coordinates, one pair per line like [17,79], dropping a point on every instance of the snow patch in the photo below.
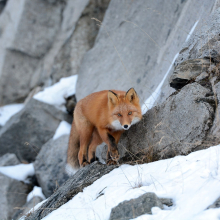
[7,111]
[193,182]
[63,129]
[37,191]
[19,172]
[56,94]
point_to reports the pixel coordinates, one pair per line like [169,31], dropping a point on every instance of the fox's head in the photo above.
[124,109]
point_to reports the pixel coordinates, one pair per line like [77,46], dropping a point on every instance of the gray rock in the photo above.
[2,5]
[135,207]
[147,35]
[16,66]
[50,165]
[9,160]
[215,205]
[166,201]
[75,184]
[27,31]
[26,132]
[188,71]
[67,62]
[49,64]
[37,27]
[13,194]
[27,207]
[215,132]
[203,45]
[178,126]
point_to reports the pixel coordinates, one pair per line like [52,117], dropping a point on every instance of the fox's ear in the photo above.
[132,96]
[112,98]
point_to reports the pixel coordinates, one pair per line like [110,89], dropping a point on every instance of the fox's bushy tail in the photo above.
[73,150]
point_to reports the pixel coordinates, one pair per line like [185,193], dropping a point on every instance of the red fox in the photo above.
[101,117]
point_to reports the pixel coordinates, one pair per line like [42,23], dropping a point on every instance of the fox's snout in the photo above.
[126,127]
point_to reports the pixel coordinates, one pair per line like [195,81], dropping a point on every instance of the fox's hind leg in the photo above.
[96,140]
[85,130]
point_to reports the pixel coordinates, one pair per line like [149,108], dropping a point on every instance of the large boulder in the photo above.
[199,53]
[9,160]
[15,76]
[178,126]
[68,60]
[13,194]
[28,29]
[50,165]
[75,184]
[70,15]
[136,44]
[26,132]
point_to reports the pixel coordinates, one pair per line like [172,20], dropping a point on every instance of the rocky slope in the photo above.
[128,44]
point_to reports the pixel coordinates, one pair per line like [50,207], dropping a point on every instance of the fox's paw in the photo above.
[85,163]
[112,162]
[114,155]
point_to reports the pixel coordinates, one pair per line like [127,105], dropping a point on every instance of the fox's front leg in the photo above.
[111,139]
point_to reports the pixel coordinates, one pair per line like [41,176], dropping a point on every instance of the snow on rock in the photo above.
[37,191]
[56,94]
[19,172]
[7,111]
[63,129]
[149,103]
[191,181]
[192,30]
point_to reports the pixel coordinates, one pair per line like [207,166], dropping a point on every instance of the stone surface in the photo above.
[136,44]
[26,132]
[27,31]
[203,45]
[166,201]
[50,165]
[178,126]
[13,194]
[16,66]
[188,71]
[75,184]
[215,205]
[135,207]
[216,125]
[70,15]
[37,27]
[27,207]
[67,61]
[9,160]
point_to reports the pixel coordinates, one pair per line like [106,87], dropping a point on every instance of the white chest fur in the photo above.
[117,125]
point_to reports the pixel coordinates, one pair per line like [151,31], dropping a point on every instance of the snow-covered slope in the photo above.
[193,182]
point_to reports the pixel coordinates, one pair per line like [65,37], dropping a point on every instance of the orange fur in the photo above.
[101,117]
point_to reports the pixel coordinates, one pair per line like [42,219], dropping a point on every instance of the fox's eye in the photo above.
[119,115]
[129,113]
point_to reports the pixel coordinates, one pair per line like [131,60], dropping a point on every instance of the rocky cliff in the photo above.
[166,48]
